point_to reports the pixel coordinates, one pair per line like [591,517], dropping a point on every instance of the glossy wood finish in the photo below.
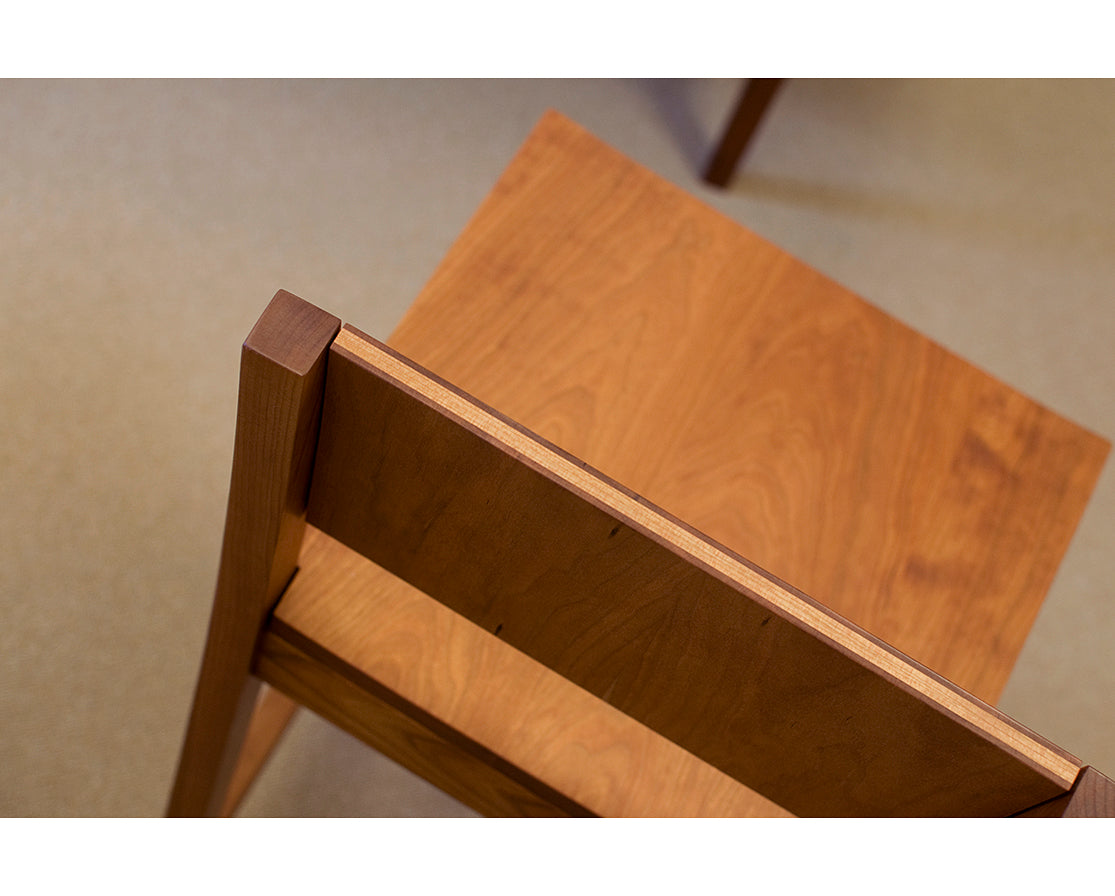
[282,370]
[754,99]
[762,403]
[482,702]
[645,613]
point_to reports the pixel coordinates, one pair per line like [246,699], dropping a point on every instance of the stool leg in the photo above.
[282,380]
[219,721]
[754,99]
[273,712]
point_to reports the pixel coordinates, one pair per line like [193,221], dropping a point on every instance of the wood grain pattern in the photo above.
[642,611]
[1092,796]
[484,698]
[282,370]
[764,404]
[746,394]
[405,733]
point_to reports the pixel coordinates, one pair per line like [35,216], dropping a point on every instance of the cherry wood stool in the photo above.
[636,514]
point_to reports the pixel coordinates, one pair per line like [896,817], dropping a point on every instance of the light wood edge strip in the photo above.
[951,700]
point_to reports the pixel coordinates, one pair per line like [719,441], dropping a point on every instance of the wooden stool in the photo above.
[576,602]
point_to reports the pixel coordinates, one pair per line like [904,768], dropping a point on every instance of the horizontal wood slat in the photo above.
[647,614]
[488,700]
[401,732]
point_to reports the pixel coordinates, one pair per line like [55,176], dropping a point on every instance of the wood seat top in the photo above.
[765,405]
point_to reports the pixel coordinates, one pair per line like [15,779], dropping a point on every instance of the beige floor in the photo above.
[143,226]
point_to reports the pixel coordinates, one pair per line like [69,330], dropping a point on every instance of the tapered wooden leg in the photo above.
[282,377]
[272,714]
[754,99]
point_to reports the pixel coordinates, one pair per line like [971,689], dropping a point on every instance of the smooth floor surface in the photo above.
[144,226]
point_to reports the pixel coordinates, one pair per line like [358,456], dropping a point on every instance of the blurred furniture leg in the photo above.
[753,101]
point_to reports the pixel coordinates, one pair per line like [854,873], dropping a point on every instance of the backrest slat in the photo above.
[637,608]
